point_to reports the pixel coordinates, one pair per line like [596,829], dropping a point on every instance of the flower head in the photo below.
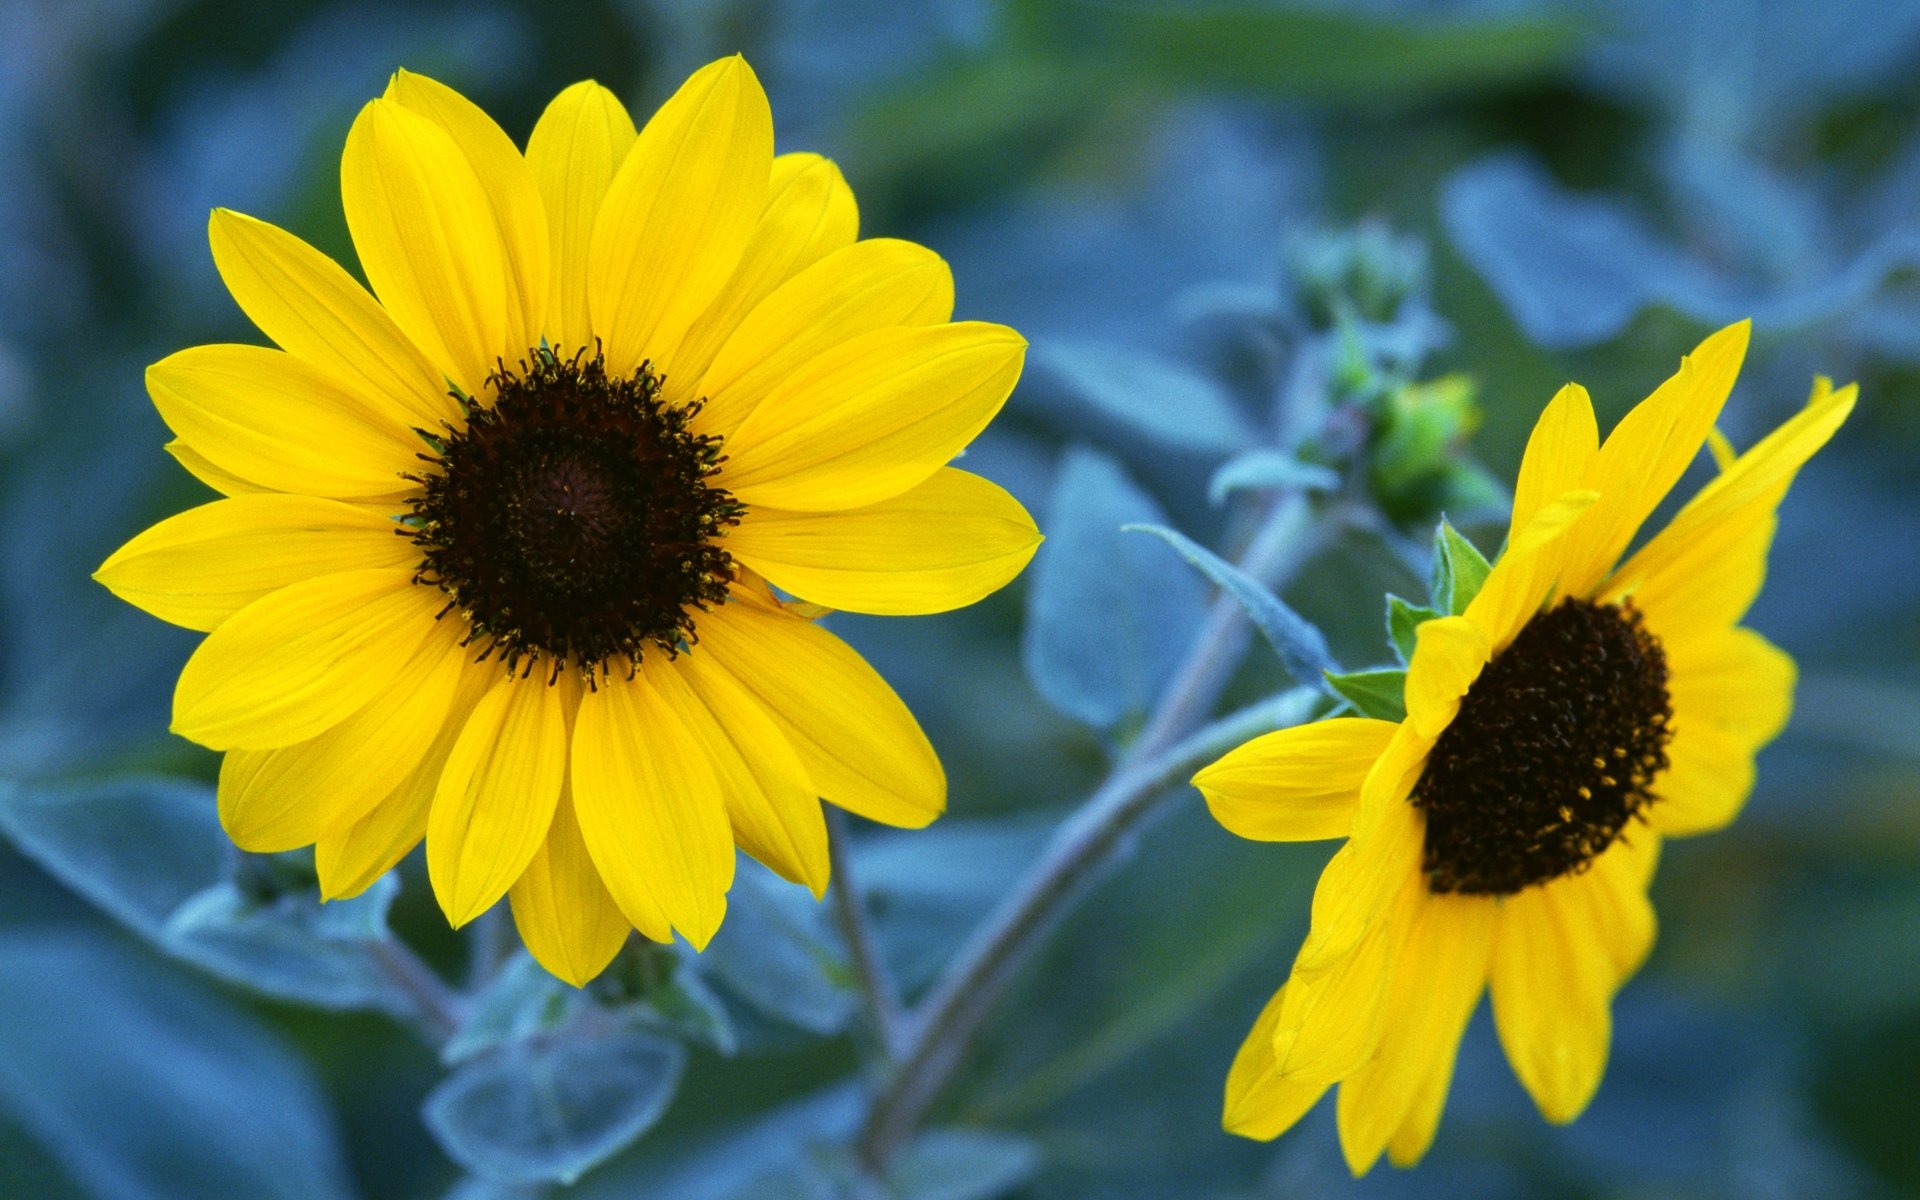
[496,561]
[1574,713]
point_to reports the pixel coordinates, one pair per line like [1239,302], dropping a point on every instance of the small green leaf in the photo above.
[1458,570]
[1402,619]
[1379,693]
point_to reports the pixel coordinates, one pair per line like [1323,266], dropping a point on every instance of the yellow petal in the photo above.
[678,214]
[274,800]
[271,419]
[810,213]
[651,809]
[196,464]
[1382,852]
[577,146]
[315,311]
[873,416]
[1647,452]
[1298,784]
[1559,452]
[427,239]
[1336,1009]
[868,286]
[1437,981]
[1528,572]
[299,661]
[519,216]
[200,567]
[1261,1103]
[565,914]
[772,804]
[940,546]
[861,746]
[1410,1143]
[496,795]
[1448,655]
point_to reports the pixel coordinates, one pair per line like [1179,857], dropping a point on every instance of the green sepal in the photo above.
[1459,570]
[1380,693]
[1402,619]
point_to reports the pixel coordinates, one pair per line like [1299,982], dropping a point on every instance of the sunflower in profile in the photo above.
[1502,836]
[497,558]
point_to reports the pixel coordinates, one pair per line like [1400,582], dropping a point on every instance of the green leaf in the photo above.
[1269,470]
[1459,569]
[1402,619]
[1379,693]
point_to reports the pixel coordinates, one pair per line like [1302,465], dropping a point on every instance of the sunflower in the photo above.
[1502,836]
[496,561]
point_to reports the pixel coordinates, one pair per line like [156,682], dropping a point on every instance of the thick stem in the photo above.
[965,994]
[877,990]
[436,1007]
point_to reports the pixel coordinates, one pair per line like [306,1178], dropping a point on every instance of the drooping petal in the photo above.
[678,214]
[274,800]
[317,312]
[939,546]
[1410,1143]
[1382,851]
[563,910]
[860,745]
[496,795]
[1336,1008]
[1449,654]
[1559,452]
[202,566]
[271,419]
[519,216]
[651,809]
[1298,784]
[873,416]
[427,239]
[1260,1102]
[297,662]
[867,286]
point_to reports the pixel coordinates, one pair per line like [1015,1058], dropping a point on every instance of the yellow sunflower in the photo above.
[1502,836]
[493,565]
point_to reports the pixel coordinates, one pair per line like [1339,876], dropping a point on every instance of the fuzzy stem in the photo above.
[437,1007]
[877,990]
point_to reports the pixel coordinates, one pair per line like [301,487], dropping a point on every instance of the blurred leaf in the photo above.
[962,1164]
[521,1001]
[1151,397]
[1301,647]
[146,1086]
[551,1107]
[1459,569]
[1402,619]
[1261,470]
[758,1158]
[1379,693]
[779,954]
[1107,623]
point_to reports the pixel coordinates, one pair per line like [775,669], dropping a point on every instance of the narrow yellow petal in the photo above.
[565,914]
[810,213]
[317,312]
[867,286]
[1336,1009]
[1410,1143]
[939,546]
[1260,1102]
[1294,785]
[1448,655]
[273,800]
[427,239]
[196,464]
[1559,452]
[519,216]
[576,148]
[496,795]
[276,422]
[651,809]
[873,416]
[1381,853]
[1528,572]
[297,662]
[860,745]
[678,214]
[200,567]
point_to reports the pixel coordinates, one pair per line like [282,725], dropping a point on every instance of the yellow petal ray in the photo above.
[317,312]
[772,803]
[350,857]
[565,914]
[1528,572]
[1382,852]
[1648,451]
[939,546]
[520,218]
[860,745]
[274,800]
[872,285]
[196,464]
[1437,981]
[427,239]
[810,213]
[1299,784]
[200,567]
[297,662]
[1336,1009]
[873,416]
[576,148]
[1410,1143]
[271,419]
[1703,570]
[651,809]
[1448,655]
[1559,452]
[678,214]
[496,795]
[1260,1102]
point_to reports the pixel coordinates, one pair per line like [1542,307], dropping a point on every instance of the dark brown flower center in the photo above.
[1553,752]
[573,519]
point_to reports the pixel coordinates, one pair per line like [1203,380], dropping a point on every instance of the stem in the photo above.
[436,1006]
[877,990]
[964,996]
